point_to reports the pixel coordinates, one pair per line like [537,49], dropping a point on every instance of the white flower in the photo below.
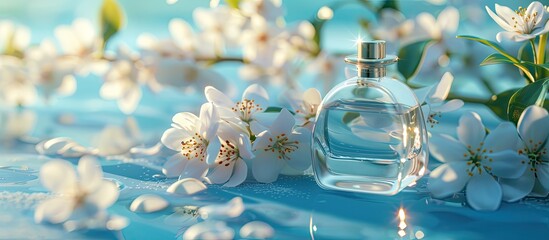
[261,43]
[83,195]
[442,30]
[123,80]
[189,44]
[195,140]
[393,27]
[81,40]
[532,129]
[279,146]
[229,167]
[444,26]
[16,89]
[220,26]
[521,25]
[254,100]
[271,10]
[305,106]
[475,160]
[50,72]
[432,99]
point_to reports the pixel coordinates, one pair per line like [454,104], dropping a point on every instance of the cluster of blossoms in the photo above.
[228,138]
[507,164]
[255,29]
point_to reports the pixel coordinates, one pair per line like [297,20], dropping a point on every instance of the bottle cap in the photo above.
[371,49]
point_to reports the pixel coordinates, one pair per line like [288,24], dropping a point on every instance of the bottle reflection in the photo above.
[362,218]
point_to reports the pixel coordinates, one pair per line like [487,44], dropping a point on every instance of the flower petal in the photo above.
[283,123]
[513,36]
[266,166]
[515,189]
[483,193]
[448,19]
[532,126]
[220,173]
[186,121]
[312,97]
[89,173]
[58,176]
[209,230]
[447,179]
[471,131]
[245,147]
[449,106]
[504,137]
[231,209]
[507,163]
[186,186]
[442,89]
[172,138]
[218,98]
[502,23]
[55,210]
[175,165]
[543,174]
[208,120]
[130,99]
[446,149]
[256,230]
[148,203]
[104,196]
[301,158]
[258,94]
[240,173]
[195,169]
[212,150]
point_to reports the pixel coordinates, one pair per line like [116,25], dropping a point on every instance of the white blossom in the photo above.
[279,146]
[474,160]
[195,140]
[79,196]
[523,24]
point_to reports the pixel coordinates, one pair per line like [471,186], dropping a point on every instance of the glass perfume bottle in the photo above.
[369,134]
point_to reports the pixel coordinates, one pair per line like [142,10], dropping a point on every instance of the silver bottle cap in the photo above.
[371,49]
[371,59]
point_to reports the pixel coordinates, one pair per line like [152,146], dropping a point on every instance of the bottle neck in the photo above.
[372,72]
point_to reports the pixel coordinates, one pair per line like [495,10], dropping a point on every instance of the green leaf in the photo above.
[491,44]
[318,24]
[411,57]
[495,58]
[532,94]
[233,3]
[276,109]
[350,116]
[544,67]
[112,19]
[499,103]
[392,4]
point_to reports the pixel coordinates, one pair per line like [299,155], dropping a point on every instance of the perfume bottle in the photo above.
[369,134]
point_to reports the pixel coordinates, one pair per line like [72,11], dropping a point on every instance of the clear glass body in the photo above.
[369,137]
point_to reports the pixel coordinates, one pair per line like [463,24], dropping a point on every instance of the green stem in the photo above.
[541,48]
[534,55]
